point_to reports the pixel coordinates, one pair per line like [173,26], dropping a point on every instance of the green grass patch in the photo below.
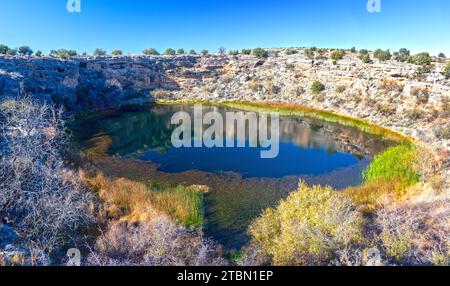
[390,173]
[395,164]
[133,201]
[185,204]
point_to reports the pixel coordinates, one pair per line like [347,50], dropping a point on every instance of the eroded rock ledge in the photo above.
[391,94]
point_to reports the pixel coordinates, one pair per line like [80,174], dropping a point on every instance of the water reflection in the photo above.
[307,147]
[311,150]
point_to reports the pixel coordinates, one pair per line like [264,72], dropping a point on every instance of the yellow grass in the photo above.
[135,202]
[368,197]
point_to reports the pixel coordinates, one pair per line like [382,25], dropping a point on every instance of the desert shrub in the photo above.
[63,53]
[233,52]
[72,53]
[181,52]
[192,52]
[442,131]
[320,97]
[353,50]
[422,59]
[170,52]
[117,53]
[382,55]
[317,87]
[404,52]
[222,50]
[3,49]
[363,52]
[444,108]
[397,164]
[396,233]
[291,52]
[251,256]
[414,114]
[341,88]
[11,52]
[385,109]
[99,52]
[441,56]
[391,85]
[446,71]
[150,52]
[260,53]
[290,67]
[309,53]
[322,52]
[337,55]
[416,233]
[157,243]
[424,70]
[255,85]
[38,54]
[421,94]
[246,52]
[307,228]
[437,182]
[365,58]
[403,55]
[46,202]
[227,78]
[204,52]
[25,51]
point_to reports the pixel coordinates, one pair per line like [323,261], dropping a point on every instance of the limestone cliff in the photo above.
[392,94]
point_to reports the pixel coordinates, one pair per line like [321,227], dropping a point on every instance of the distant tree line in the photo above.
[424,60]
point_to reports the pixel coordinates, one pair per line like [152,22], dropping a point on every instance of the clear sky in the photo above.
[133,25]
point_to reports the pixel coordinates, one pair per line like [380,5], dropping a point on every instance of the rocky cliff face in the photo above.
[86,84]
[392,94]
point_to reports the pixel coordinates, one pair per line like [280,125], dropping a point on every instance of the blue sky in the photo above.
[133,25]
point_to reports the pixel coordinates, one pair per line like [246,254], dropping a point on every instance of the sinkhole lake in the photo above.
[241,183]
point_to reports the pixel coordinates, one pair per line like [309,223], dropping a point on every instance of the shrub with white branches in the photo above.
[43,200]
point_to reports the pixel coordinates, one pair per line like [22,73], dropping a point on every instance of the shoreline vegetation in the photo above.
[391,181]
[302,111]
[392,171]
[401,209]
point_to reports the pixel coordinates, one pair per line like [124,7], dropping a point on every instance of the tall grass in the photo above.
[397,163]
[136,202]
[391,173]
[181,203]
[368,196]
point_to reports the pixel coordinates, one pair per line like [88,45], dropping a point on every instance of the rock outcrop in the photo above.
[392,94]
[92,83]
